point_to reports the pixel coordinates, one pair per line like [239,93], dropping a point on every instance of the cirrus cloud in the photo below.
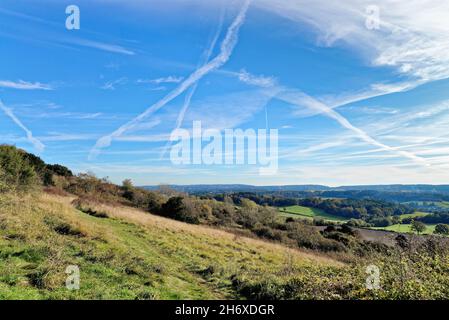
[24,85]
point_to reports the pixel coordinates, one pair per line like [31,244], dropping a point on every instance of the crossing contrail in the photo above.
[192,90]
[35,142]
[226,49]
[297,97]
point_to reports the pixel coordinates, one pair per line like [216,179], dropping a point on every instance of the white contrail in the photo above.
[36,143]
[227,46]
[205,60]
[299,98]
[188,98]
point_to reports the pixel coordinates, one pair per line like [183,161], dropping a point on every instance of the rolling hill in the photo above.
[130,254]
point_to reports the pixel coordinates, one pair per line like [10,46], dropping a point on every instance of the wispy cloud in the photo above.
[299,98]
[230,110]
[169,79]
[35,142]
[227,47]
[160,88]
[114,48]
[350,174]
[111,85]
[66,115]
[192,90]
[64,137]
[60,39]
[24,85]
[260,81]
[412,39]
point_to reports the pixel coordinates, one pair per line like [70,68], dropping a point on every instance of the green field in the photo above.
[405,228]
[414,215]
[310,213]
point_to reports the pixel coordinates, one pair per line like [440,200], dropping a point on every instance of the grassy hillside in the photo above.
[307,212]
[129,254]
[194,248]
[125,253]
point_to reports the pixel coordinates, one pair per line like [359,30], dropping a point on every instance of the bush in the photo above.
[357,223]
[59,170]
[442,229]
[16,172]
[178,209]
[267,232]
[418,226]
[319,222]
[381,222]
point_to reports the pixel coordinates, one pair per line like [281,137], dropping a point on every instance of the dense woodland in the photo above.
[369,212]
[415,199]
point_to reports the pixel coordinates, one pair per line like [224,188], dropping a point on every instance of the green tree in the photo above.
[127,184]
[395,220]
[418,226]
[181,209]
[248,204]
[18,174]
[59,170]
[442,229]
[128,190]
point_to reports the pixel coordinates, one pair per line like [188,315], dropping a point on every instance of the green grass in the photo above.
[135,255]
[130,255]
[414,215]
[406,228]
[306,212]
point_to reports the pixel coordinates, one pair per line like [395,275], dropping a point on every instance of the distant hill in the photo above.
[214,188]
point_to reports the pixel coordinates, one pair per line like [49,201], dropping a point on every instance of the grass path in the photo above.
[129,255]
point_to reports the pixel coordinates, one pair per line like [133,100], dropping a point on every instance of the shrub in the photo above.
[17,173]
[319,222]
[178,209]
[247,217]
[59,170]
[381,222]
[264,232]
[418,226]
[357,223]
[155,202]
[442,229]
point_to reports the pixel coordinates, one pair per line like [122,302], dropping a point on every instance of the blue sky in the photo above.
[352,104]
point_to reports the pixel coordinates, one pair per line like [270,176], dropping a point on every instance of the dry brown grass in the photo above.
[155,256]
[164,224]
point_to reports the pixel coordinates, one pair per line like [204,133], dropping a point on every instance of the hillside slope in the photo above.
[131,254]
